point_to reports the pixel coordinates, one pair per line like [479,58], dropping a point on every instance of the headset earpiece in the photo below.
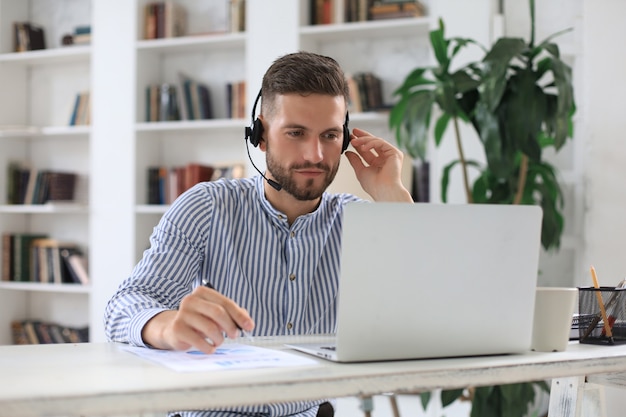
[255,132]
[346,134]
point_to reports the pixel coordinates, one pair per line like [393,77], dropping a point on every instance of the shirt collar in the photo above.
[278,217]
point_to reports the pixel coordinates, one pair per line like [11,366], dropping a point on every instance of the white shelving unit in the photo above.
[112,220]
[38,93]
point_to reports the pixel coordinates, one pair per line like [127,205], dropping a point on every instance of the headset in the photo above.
[255,130]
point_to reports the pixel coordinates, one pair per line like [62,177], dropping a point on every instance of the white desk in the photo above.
[100,379]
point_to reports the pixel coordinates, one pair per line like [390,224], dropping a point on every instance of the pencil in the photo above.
[596,285]
[208,284]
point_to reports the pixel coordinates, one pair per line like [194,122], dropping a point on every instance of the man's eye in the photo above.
[331,136]
[294,133]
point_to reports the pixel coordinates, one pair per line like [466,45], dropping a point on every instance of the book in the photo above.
[196,173]
[395,9]
[25,332]
[153,185]
[31,334]
[175,20]
[165,184]
[164,19]
[7,256]
[322,12]
[75,265]
[61,186]
[237,15]
[236,99]
[48,263]
[28,36]
[30,186]
[194,101]
[168,106]
[81,111]
[18,333]
[22,255]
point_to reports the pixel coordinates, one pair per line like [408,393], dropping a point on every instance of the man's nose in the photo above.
[313,150]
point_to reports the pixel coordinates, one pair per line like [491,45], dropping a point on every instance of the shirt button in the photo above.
[292,277]
[289,326]
[293,234]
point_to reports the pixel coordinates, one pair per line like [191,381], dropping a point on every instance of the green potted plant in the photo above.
[519,100]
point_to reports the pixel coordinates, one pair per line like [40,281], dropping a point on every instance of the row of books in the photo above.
[338,11]
[236,100]
[26,185]
[190,99]
[33,257]
[237,15]
[33,332]
[81,111]
[164,19]
[28,36]
[365,92]
[166,184]
[80,36]
[162,103]
[395,9]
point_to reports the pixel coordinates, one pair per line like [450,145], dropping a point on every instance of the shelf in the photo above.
[188,125]
[370,29]
[48,208]
[216,124]
[197,43]
[84,130]
[41,287]
[40,132]
[66,54]
[151,208]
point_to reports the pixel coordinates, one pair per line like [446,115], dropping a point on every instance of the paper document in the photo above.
[227,356]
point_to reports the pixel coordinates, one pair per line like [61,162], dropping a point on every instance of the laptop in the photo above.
[434,280]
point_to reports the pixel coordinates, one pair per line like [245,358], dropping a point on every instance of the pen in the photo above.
[207,284]
[607,326]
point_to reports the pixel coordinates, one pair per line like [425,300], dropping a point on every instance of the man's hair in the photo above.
[302,73]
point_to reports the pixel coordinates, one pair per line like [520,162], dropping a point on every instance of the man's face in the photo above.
[303,138]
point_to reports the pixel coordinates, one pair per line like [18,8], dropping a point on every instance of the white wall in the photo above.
[605,225]
[605,222]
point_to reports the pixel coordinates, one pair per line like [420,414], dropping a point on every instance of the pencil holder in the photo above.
[602,315]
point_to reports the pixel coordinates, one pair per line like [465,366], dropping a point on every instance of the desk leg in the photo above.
[573,397]
[367,406]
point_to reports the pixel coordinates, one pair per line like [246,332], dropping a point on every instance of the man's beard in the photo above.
[307,192]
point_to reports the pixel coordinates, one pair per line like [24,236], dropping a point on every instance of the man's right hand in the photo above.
[201,322]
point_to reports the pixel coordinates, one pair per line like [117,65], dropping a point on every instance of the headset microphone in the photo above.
[253,134]
[271,182]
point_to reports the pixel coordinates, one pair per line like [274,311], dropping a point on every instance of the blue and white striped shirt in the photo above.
[228,233]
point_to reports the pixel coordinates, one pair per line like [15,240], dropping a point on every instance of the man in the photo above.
[268,246]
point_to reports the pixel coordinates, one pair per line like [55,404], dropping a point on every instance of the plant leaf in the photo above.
[440,45]
[489,133]
[524,114]
[445,177]
[565,102]
[425,399]
[411,122]
[450,396]
[440,127]
[496,63]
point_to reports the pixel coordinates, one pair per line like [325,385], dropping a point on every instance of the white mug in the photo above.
[554,309]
